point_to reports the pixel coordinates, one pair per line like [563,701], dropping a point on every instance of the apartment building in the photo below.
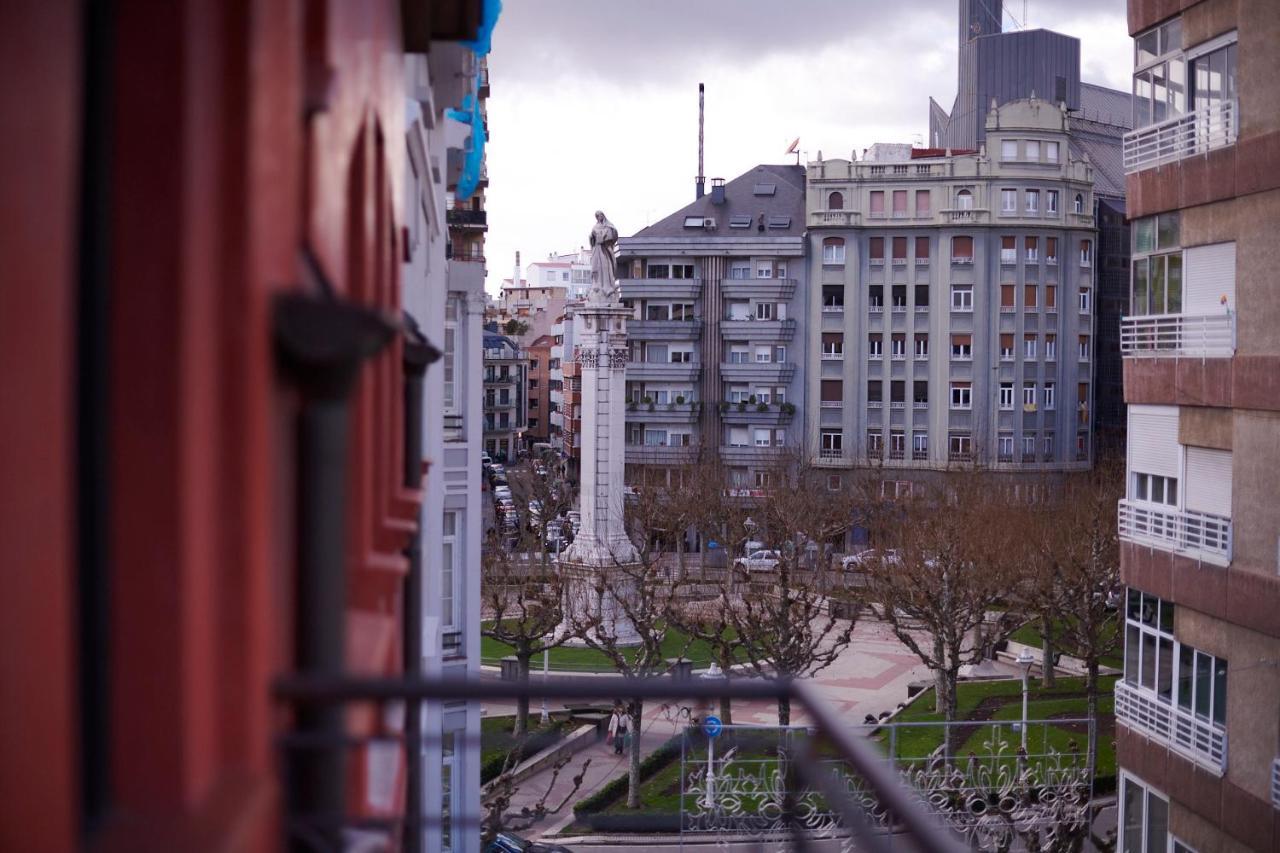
[953,304]
[1199,705]
[538,390]
[571,271]
[506,370]
[716,289]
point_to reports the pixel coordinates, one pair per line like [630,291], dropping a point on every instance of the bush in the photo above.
[680,399]
[650,764]
[788,408]
[533,743]
[763,407]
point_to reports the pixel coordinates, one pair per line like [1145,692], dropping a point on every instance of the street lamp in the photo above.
[1025,660]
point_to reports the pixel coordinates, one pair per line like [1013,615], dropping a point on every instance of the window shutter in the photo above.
[1208,480]
[832,390]
[1030,296]
[922,246]
[877,247]
[1153,440]
[1006,341]
[832,338]
[1210,273]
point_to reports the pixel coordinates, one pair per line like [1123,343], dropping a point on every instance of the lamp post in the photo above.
[1025,660]
[546,666]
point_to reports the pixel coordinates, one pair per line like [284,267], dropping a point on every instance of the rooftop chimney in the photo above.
[717,190]
[515,276]
[700,181]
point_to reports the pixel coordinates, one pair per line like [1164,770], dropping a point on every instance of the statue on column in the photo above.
[604,263]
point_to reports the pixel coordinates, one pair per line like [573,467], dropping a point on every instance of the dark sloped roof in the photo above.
[740,199]
[1107,156]
[1106,106]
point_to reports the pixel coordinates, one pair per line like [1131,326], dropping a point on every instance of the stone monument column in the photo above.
[602,554]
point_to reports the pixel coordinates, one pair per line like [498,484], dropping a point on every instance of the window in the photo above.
[875,442]
[1086,252]
[447,777]
[962,347]
[832,345]
[922,297]
[922,207]
[1032,245]
[875,391]
[658,271]
[962,250]
[961,395]
[448,573]
[875,297]
[1008,201]
[964,200]
[763,438]
[833,297]
[1006,299]
[1085,301]
[832,391]
[1005,447]
[1213,85]
[1046,446]
[1160,77]
[961,297]
[1155,661]
[1006,347]
[833,249]
[832,442]
[875,251]
[960,446]
[764,310]
[1051,200]
[833,482]
[762,479]
[681,356]
[1084,347]
[1033,201]
[899,204]
[1051,152]
[1029,347]
[922,251]
[922,347]
[450,355]
[1144,818]
[899,295]
[1030,296]
[1033,151]
[897,444]
[1029,396]
[1050,347]
[899,250]
[899,343]
[740,220]
[1079,203]
[764,269]
[835,201]
[877,204]
[1051,250]
[919,445]
[1009,149]
[1154,488]
[1156,286]
[1049,402]
[740,269]
[764,355]
[1006,396]
[897,393]
[875,346]
[920,392]
[1051,297]
[1029,448]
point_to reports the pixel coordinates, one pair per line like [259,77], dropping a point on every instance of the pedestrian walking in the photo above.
[618,726]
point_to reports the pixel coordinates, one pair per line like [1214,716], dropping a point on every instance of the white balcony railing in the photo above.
[1194,335]
[832,404]
[1211,126]
[1185,531]
[833,356]
[1200,740]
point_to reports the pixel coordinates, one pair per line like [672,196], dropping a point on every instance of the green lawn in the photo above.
[579,659]
[1029,634]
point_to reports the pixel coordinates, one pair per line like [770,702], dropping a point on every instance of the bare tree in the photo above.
[953,563]
[623,610]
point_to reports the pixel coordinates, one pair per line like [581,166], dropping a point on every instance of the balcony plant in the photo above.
[724,407]
[742,405]
[671,406]
[631,406]
[762,407]
[752,399]
[788,408]
[680,399]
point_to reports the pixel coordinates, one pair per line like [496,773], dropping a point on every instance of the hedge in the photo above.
[650,764]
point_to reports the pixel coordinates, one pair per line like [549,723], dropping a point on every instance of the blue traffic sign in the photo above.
[712,726]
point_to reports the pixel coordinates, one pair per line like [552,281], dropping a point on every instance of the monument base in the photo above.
[593,595]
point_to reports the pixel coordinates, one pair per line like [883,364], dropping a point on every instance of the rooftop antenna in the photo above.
[701,180]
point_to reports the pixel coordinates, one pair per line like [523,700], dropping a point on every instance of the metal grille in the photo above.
[1211,126]
[1198,534]
[1199,336]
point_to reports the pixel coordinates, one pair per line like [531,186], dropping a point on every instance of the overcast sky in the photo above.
[594,103]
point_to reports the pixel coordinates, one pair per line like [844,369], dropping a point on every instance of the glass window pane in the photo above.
[1177,88]
[1168,231]
[1220,692]
[1134,607]
[1164,670]
[1166,608]
[1146,47]
[1144,235]
[1131,653]
[1140,302]
[1204,683]
[1157,284]
[1157,825]
[1173,285]
[1133,798]
[1186,675]
[1147,678]
[1142,99]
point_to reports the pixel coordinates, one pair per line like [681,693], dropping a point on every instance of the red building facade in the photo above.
[200,210]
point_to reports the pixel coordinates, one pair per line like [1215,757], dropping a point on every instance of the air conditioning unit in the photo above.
[709,223]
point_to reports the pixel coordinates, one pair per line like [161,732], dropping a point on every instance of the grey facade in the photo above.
[718,290]
[506,402]
[951,300]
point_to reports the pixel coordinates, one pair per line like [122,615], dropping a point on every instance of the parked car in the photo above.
[535,513]
[758,561]
[556,541]
[502,492]
[509,842]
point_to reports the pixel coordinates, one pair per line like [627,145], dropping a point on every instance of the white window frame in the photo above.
[1049,401]
[961,297]
[961,397]
[1051,200]
[1028,349]
[449,569]
[1032,198]
[1006,399]
[1029,392]
[1008,200]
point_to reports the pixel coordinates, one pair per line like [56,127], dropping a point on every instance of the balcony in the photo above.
[1178,335]
[774,372]
[659,454]
[833,309]
[1204,129]
[661,288]
[828,458]
[750,414]
[749,455]
[761,331]
[664,330]
[1198,535]
[833,356]
[661,371]
[667,413]
[834,218]
[965,216]
[465,217]
[1188,734]
[780,289]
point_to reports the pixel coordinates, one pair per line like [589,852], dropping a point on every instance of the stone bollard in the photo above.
[510,668]
[681,669]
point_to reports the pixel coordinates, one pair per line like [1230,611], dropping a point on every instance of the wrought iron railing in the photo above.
[1211,126]
[869,803]
[1193,335]
[1186,531]
[1200,740]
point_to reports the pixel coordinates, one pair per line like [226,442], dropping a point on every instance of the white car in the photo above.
[863,560]
[758,561]
[502,493]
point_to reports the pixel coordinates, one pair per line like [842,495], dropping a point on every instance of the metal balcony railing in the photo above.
[1191,335]
[1200,740]
[1200,535]
[864,797]
[1203,129]
[1275,782]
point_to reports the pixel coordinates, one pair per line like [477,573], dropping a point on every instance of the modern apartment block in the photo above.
[953,302]
[1199,705]
[506,370]
[716,289]
[571,271]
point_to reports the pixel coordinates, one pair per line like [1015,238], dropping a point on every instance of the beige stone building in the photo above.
[1199,704]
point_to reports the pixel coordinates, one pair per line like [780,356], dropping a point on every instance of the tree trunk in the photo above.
[679,556]
[633,773]
[784,711]
[1091,692]
[523,655]
[1046,635]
